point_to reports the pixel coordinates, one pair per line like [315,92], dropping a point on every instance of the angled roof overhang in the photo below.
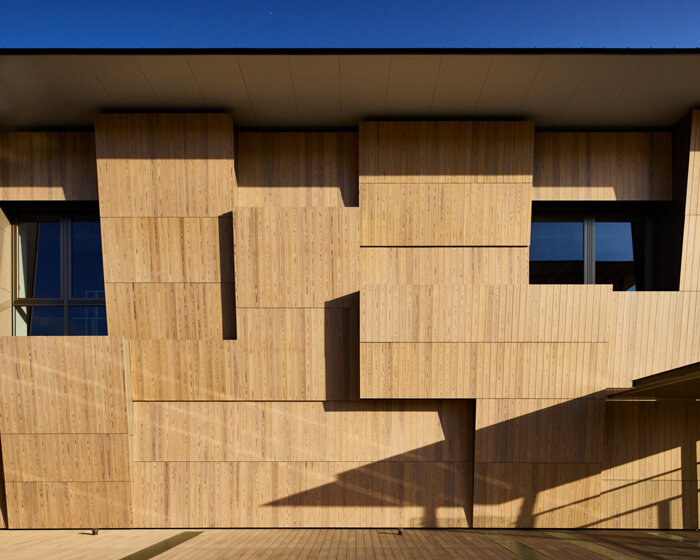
[558,89]
[682,382]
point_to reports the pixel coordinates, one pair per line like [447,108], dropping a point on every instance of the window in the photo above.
[58,281]
[599,246]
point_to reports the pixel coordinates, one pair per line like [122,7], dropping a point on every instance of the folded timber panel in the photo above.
[303,464]
[602,166]
[64,429]
[445,183]
[167,187]
[42,166]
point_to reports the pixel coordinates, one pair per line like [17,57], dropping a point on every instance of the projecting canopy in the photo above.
[590,89]
[683,382]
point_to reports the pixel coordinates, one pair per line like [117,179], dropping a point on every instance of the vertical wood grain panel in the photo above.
[47,166]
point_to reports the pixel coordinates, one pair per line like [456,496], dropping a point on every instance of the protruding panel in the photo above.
[296,257]
[445,183]
[165,165]
[167,249]
[485,313]
[170,310]
[539,430]
[653,332]
[47,166]
[444,265]
[279,354]
[530,495]
[452,214]
[62,385]
[63,505]
[66,457]
[690,260]
[602,166]
[302,494]
[482,370]
[278,169]
[415,431]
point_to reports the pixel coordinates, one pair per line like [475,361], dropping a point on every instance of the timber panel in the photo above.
[409,370]
[64,505]
[279,354]
[485,313]
[174,310]
[296,257]
[302,494]
[165,165]
[291,169]
[445,183]
[444,265]
[167,249]
[300,464]
[602,166]
[47,166]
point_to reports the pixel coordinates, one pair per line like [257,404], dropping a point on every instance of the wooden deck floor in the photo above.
[136,544]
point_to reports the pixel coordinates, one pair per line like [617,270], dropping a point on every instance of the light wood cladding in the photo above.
[653,332]
[165,165]
[58,505]
[539,430]
[446,214]
[446,152]
[167,249]
[173,310]
[445,183]
[47,166]
[538,313]
[602,166]
[536,494]
[303,431]
[279,354]
[62,385]
[482,370]
[296,257]
[425,266]
[690,260]
[302,494]
[278,169]
[66,457]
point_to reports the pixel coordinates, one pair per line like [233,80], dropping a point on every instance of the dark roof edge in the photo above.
[338,51]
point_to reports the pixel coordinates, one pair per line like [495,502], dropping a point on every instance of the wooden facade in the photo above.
[336,329]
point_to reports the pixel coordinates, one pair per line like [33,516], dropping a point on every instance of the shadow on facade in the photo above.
[631,432]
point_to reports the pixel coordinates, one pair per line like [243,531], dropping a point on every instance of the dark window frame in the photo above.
[65,214]
[591,212]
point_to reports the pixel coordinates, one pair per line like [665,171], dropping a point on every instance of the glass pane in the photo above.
[39,320]
[556,253]
[87,320]
[86,261]
[614,255]
[39,259]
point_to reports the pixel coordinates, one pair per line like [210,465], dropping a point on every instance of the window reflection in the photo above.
[39,259]
[556,252]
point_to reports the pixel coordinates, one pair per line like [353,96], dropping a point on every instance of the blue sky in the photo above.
[428,23]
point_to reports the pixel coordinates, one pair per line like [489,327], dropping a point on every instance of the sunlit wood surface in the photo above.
[174,544]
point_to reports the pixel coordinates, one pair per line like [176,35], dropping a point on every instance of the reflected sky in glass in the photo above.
[556,241]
